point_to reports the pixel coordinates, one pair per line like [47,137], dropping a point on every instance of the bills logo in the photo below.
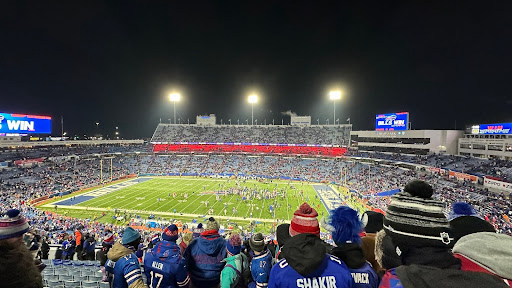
[390,119]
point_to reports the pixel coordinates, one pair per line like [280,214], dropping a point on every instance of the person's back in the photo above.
[306,264]
[261,262]
[165,267]
[123,263]
[362,272]
[345,226]
[204,256]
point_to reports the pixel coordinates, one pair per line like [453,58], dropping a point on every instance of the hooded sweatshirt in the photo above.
[204,258]
[123,263]
[362,272]
[486,252]
[306,264]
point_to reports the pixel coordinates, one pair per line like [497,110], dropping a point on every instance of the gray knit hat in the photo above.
[257,242]
[414,218]
[212,224]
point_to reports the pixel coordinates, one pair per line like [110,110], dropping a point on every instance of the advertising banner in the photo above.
[500,185]
[25,124]
[492,129]
[463,176]
[392,121]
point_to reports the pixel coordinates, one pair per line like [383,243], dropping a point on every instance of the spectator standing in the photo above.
[306,262]
[89,245]
[123,263]
[282,235]
[236,272]
[163,264]
[261,262]
[373,223]
[45,248]
[204,256]
[79,242]
[101,255]
[345,227]
[416,244]
[197,231]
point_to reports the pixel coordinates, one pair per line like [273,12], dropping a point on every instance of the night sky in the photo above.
[115,63]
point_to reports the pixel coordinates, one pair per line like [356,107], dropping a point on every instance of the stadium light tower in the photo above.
[253,98]
[174,97]
[334,95]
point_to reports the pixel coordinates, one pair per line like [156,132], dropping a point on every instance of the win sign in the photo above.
[25,124]
[392,121]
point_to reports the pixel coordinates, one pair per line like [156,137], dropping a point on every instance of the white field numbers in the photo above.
[153,276]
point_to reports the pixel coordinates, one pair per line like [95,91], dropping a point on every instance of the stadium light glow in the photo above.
[334,95]
[174,97]
[253,98]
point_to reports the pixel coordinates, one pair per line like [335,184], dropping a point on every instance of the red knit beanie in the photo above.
[305,221]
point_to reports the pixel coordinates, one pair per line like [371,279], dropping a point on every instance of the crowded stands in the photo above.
[463,216]
[338,135]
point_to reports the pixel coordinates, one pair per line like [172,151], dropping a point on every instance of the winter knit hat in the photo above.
[197,231]
[465,225]
[414,218]
[234,245]
[460,209]
[257,242]
[12,224]
[283,234]
[130,235]
[109,239]
[212,224]
[372,221]
[187,238]
[170,233]
[305,221]
[155,239]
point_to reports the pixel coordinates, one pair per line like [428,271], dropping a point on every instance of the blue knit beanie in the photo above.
[130,235]
[170,233]
[234,245]
[460,209]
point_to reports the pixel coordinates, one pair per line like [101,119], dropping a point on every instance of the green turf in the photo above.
[144,197]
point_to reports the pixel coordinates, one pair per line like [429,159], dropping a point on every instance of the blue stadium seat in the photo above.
[72,284]
[89,284]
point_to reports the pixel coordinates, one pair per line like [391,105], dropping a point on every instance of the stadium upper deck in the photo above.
[335,135]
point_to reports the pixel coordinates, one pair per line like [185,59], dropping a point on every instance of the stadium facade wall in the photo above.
[485,147]
[428,141]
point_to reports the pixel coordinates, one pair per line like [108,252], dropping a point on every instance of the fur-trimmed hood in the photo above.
[17,267]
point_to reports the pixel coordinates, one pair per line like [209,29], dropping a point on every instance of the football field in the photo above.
[199,197]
